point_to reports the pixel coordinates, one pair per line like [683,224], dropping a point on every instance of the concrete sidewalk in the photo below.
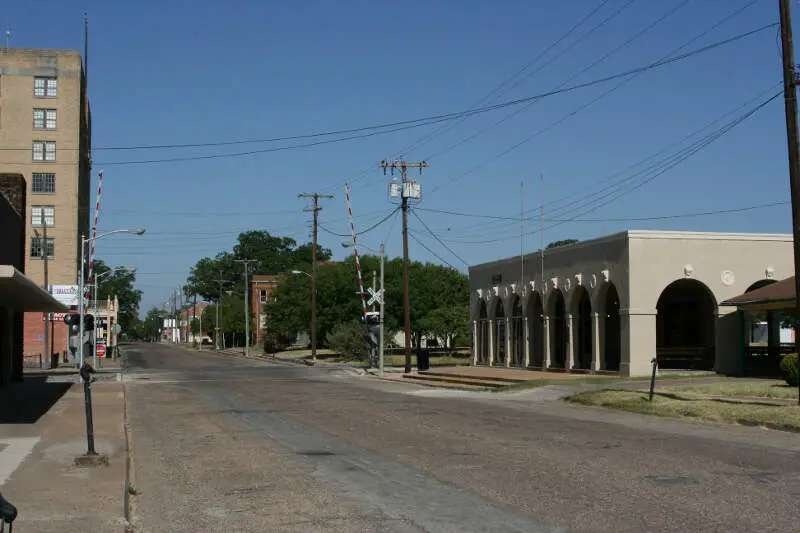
[42,431]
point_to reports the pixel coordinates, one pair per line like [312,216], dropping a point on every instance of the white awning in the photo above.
[21,293]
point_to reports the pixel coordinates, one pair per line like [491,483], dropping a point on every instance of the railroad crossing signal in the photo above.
[375,296]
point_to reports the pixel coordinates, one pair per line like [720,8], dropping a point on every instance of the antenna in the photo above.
[8,35]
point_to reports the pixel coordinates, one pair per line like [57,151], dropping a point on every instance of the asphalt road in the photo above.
[225,444]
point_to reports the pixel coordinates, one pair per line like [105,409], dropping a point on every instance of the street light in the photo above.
[85,370]
[81,285]
[313,314]
[347,244]
[94,305]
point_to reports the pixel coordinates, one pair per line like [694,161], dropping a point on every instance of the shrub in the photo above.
[791,369]
[347,339]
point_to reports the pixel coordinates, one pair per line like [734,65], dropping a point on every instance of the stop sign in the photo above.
[101,350]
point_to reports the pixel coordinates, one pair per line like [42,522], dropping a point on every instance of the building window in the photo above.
[262,294]
[43,215]
[37,244]
[45,87]
[44,119]
[43,183]
[44,150]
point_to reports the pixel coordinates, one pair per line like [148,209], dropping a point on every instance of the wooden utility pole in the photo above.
[406,191]
[790,100]
[316,208]
[47,352]
[246,263]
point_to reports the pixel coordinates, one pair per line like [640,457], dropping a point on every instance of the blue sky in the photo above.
[178,72]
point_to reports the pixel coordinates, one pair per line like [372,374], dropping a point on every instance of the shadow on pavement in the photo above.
[25,402]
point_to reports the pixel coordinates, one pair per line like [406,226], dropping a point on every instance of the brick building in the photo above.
[46,134]
[18,293]
[192,311]
[260,288]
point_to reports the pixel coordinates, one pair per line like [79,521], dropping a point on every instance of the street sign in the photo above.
[56,317]
[101,350]
[375,296]
[116,329]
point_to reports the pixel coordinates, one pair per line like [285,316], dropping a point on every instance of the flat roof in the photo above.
[652,234]
[44,51]
[21,293]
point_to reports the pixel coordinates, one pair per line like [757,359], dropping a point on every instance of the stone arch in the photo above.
[581,310]
[535,313]
[482,334]
[499,333]
[557,311]
[611,329]
[685,325]
[516,323]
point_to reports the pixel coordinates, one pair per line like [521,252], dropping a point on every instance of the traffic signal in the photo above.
[88,322]
[73,323]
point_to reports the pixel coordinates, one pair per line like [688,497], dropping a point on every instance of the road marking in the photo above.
[14,451]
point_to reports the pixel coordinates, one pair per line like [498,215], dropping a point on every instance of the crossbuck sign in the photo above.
[375,296]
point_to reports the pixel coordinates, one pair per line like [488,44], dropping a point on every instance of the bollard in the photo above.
[653,377]
[86,374]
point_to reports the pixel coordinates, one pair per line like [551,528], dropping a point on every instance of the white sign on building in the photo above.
[66,294]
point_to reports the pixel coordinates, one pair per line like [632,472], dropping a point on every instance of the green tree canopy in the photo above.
[563,242]
[119,284]
[152,324]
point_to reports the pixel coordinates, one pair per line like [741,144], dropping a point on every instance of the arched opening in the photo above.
[482,342]
[612,339]
[583,324]
[517,325]
[685,326]
[536,330]
[499,334]
[558,328]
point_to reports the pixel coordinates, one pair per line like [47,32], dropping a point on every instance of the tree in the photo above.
[119,284]
[347,340]
[563,242]
[153,322]
[447,323]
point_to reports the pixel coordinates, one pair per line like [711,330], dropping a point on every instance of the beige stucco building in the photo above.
[45,133]
[614,303]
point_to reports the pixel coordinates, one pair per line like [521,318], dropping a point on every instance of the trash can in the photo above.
[423,360]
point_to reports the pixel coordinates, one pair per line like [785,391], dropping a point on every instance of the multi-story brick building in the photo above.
[260,288]
[45,134]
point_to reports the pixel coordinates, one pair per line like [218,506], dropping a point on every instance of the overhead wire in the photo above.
[450,116]
[362,232]
[437,256]
[413,212]
[628,78]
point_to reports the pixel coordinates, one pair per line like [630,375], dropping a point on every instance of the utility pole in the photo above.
[219,313]
[46,351]
[194,315]
[180,314]
[245,262]
[790,101]
[408,189]
[315,196]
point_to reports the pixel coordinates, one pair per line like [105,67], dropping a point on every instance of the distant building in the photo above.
[45,131]
[191,312]
[261,287]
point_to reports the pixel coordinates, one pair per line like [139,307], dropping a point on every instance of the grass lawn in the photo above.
[680,404]
[763,388]
[594,380]
[400,360]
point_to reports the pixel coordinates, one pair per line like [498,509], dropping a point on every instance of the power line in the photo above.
[413,212]
[659,169]
[437,256]
[574,76]
[406,124]
[633,75]
[627,219]
[362,232]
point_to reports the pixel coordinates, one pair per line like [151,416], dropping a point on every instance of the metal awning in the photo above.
[21,293]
